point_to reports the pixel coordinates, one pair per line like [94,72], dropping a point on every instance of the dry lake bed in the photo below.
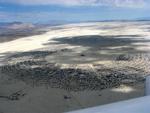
[74,66]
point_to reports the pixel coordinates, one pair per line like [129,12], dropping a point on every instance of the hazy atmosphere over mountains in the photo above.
[72,10]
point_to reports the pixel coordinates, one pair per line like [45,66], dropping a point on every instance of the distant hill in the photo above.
[144,19]
[14,30]
[16,25]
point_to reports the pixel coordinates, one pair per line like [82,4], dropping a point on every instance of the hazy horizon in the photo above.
[43,11]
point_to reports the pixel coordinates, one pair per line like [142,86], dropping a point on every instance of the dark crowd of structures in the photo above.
[40,72]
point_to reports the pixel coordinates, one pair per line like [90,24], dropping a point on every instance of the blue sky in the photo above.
[72,10]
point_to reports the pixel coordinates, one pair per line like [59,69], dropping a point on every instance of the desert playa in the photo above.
[74,66]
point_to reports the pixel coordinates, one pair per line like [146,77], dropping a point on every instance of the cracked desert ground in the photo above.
[74,66]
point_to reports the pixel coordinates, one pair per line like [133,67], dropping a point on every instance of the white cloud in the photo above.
[117,3]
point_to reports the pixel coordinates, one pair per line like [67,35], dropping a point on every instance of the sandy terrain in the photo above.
[51,100]
[74,66]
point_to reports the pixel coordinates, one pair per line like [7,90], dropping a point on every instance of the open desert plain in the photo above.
[68,67]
